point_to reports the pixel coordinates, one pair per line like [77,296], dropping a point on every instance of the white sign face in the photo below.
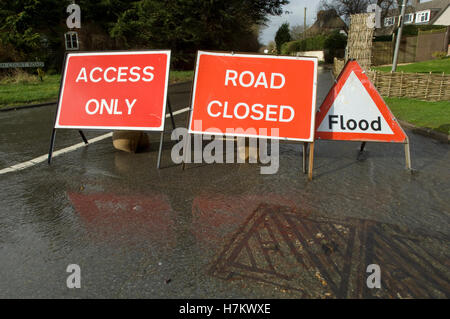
[354,111]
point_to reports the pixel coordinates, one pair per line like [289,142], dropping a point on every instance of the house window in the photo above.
[409,18]
[423,16]
[389,21]
[71,38]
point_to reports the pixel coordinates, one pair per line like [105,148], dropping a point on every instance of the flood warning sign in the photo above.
[354,110]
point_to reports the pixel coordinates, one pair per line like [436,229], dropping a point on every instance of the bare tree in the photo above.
[297,31]
[346,8]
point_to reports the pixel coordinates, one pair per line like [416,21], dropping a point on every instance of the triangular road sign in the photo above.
[354,111]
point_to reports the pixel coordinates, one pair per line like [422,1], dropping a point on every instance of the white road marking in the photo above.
[43,158]
[179,111]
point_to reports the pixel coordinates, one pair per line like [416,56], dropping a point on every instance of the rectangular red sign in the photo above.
[114,90]
[254,96]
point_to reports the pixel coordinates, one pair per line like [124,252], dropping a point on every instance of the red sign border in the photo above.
[352,65]
[113,52]
[219,53]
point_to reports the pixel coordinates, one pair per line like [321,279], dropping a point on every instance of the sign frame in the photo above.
[364,141]
[103,53]
[166,102]
[328,102]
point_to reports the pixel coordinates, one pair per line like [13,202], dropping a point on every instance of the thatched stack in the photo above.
[359,42]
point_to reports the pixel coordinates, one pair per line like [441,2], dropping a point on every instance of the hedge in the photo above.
[309,44]
[409,30]
[333,44]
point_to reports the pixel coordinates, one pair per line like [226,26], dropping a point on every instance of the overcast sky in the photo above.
[296,9]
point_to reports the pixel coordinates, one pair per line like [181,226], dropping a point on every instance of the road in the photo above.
[220,230]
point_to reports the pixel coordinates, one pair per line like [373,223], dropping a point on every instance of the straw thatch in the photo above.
[359,43]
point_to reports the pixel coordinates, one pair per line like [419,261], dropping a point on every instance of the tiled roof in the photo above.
[435,4]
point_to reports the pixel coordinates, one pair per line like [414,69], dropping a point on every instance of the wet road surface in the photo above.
[220,230]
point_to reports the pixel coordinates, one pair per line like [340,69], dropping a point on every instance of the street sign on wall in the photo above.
[254,93]
[354,111]
[11,65]
[114,90]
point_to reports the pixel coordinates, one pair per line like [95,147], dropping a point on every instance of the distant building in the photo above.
[435,12]
[327,21]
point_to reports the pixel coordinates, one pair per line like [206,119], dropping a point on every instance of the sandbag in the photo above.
[130,141]
[247,153]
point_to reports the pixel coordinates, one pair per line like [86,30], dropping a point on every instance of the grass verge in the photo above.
[26,89]
[13,92]
[181,76]
[433,115]
[434,66]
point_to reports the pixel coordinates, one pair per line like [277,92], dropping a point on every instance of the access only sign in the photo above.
[114,90]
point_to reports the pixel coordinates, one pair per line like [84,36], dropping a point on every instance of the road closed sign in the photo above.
[114,90]
[254,96]
[354,110]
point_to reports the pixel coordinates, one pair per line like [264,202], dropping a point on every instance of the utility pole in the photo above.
[399,36]
[304,25]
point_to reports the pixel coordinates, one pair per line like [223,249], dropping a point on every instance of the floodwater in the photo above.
[220,230]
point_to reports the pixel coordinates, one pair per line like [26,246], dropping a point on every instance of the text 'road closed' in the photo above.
[253,92]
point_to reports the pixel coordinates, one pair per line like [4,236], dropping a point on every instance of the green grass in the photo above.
[434,115]
[26,89]
[181,76]
[18,91]
[27,92]
[434,66]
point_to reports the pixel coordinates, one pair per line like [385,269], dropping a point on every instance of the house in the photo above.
[327,21]
[422,46]
[418,12]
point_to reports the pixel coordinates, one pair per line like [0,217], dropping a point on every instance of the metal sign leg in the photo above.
[311,161]
[171,114]
[305,149]
[361,149]
[83,137]
[407,154]
[188,140]
[161,139]
[185,150]
[52,144]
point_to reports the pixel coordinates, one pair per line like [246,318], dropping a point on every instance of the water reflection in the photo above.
[126,218]
[316,257]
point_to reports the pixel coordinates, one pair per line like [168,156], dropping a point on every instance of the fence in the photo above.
[412,48]
[383,52]
[430,42]
[421,86]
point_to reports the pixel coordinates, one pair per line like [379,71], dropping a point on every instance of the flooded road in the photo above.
[220,230]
